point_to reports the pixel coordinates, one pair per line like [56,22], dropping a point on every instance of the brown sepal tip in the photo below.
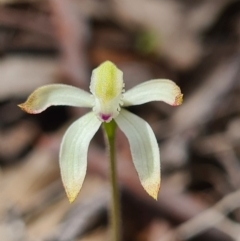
[178,100]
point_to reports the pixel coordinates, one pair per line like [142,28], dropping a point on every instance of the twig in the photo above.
[209,218]
[25,20]
[71,33]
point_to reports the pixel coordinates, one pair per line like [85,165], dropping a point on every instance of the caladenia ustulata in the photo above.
[107,101]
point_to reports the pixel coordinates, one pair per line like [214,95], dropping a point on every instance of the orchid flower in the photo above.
[106,100]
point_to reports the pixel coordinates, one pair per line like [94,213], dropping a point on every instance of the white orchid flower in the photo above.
[107,99]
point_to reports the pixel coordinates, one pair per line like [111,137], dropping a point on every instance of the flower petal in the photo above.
[144,149]
[73,153]
[153,90]
[107,88]
[56,94]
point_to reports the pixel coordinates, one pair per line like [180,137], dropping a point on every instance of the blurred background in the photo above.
[194,43]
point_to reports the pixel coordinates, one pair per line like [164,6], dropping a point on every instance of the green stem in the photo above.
[115,207]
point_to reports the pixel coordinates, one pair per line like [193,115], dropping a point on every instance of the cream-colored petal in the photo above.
[153,90]
[56,94]
[144,149]
[73,153]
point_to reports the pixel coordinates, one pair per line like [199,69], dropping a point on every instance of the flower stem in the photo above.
[115,207]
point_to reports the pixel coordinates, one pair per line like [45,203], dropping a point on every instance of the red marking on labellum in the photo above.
[105,117]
